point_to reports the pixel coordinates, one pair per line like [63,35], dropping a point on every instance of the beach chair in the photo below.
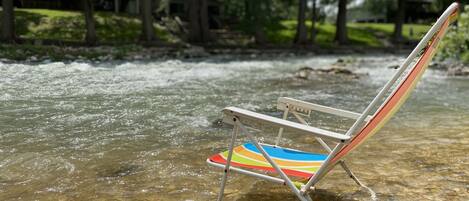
[300,170]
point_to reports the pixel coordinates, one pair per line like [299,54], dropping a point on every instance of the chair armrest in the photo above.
[231,113]
[306,108]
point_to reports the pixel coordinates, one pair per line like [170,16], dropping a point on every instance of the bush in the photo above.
[456,44]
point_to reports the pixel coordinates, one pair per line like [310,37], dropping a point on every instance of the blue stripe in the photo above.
[287,154]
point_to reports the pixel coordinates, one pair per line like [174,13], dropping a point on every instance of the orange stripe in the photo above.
[219,159]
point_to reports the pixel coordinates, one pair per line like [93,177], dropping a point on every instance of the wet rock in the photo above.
[195,51]
[438,65]
[218,123]
[308,72]
[452,68]
[32,59]
[137,57]
[68,56]
[458,70]
[345,61]
[393,66]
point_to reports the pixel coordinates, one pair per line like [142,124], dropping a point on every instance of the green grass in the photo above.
[364,34]
[70,26]
[418,30]
[125,29]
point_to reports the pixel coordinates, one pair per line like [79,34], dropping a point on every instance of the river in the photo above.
[143,130]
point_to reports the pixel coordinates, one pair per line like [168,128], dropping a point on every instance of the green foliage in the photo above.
[456,43]
[380,6]
[70,26]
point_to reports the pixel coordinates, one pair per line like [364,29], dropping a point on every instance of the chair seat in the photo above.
[292,162]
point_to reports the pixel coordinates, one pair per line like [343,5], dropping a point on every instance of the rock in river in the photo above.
[308,72]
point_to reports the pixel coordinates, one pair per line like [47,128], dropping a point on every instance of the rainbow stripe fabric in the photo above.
[292,162]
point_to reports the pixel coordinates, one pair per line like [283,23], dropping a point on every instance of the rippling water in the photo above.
[142,130]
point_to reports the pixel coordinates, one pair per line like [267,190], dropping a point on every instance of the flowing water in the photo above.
[142,130]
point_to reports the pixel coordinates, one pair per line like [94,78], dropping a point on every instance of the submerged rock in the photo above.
[118,171]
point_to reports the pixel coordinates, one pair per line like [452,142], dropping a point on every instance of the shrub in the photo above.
[456,44]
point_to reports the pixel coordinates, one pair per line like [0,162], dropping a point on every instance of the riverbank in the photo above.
[47,53]
[31,54]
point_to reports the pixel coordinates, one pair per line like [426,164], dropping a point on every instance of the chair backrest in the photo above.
[405,86]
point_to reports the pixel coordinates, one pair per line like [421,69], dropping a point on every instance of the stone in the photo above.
[195,51]
[393,66]
[459,70]
[308,72]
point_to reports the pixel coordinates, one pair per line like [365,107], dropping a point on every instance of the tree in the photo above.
[148,32]
[313,22]
[199,30]
[399,20]
[123,5]
[8,21]
[88,8]
[341,24]
[256,15]
[301,32]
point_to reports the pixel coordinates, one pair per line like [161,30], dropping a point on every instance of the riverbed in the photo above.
[143,130]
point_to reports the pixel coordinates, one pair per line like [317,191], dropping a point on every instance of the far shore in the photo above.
[31,53]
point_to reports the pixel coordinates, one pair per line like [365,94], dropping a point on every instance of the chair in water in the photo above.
[306,169]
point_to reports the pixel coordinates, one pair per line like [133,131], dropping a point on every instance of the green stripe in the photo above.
[242,160]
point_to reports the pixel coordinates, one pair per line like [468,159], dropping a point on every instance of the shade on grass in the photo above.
[70,26]
[124,29]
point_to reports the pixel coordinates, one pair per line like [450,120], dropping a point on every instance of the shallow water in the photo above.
[142,130]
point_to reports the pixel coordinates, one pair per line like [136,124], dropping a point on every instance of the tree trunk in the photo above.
[123,5]
[8,22]
[199,31]
[301,36]
[253,12]
[148,32]
[341,24]
[399,21]
[313,23]
[204,24]
[194,22]
[88,8]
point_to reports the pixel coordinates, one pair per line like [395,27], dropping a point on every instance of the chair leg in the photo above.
[350,174]
[222,186]
[304,197]
[355,178]
[228,163]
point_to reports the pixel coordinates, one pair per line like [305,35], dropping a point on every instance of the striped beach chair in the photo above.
[300,170]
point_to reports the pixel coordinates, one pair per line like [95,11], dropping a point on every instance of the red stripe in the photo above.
[218,159]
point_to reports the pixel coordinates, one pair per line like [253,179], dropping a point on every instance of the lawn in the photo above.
[366,34]
[125,29]
[70,26]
